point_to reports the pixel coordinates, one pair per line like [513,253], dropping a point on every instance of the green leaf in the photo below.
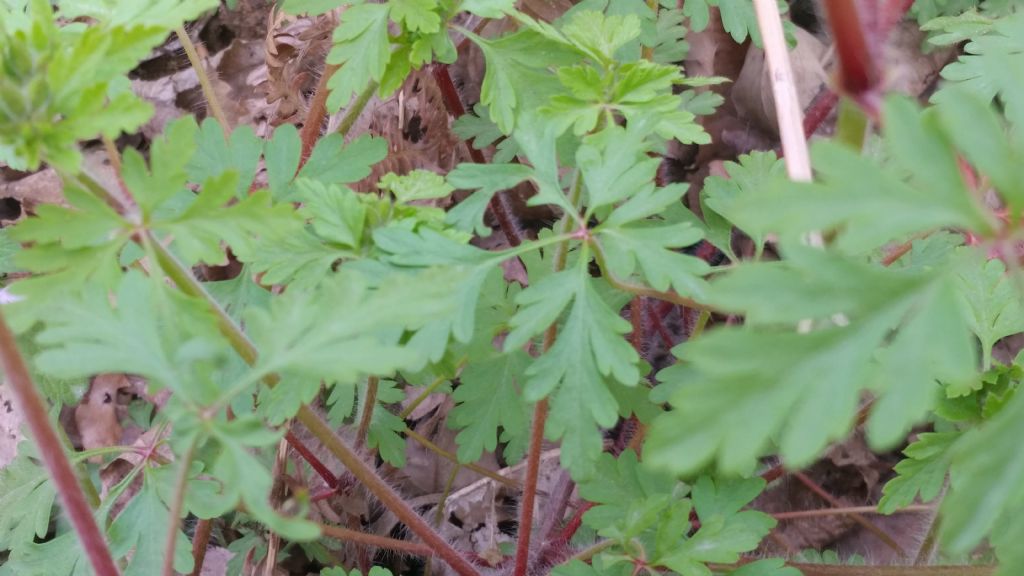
[868,205]
[487,180]
[215,155]
[488,8]
[516,77]
[986,482]
[386,428]
[650,248]
[993,303]
[416,185]
[722,196]
[212,218]
[170,154]
[416,15]
[923,472]
[362,49]
[305,336]
[166,14]
[488,399]
[725,531]
[619,487]
[803,388]
[153,332]
[589,349]
[137,529]
[337,214]
[334,162]
[27,497]
[245,479]
[600,36]
[281,155]
[767,567]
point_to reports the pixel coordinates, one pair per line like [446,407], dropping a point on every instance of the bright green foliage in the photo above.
[488,398]
[487,179]
[214,155]
[355,331]
[416,185]
[738,18]
[768,567]
[992,61]
[721,196]
[986,483]
[374,571]
[869,206]
[993,304]
[748,385]
[640,509]
[27,500]
[363,50]
[151,331]
[588,350]
[476,126]
[131,532]
[922,472]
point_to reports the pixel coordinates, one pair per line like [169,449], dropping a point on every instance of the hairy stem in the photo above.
[200,541]
[177,502]
[204,79]
[859,74]
[315,463]
[317,111]
[369,403]
[356,109]
[33,409]
[348,535]
[856,517]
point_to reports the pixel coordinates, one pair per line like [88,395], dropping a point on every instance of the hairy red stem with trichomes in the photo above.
[33,409]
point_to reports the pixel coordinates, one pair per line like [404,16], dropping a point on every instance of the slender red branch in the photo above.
[315,116]
[315,463]
[526,504]
[33,409]
[200,541]
[500,205]
[575,522]
[823,105]
[858,71]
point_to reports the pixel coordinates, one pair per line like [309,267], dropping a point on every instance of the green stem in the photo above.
[852,125]
[51,452]
[356,109]
[369,402]
[177,502]
[422,396]
[204,79]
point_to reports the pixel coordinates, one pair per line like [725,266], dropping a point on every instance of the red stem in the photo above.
[858,71]
[51,451]
[204,528]
[574,523]
[500,205]
[540,416]
[314,462]
[823,105]
[315,116]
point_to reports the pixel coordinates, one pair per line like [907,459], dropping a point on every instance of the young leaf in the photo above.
[923,472]
[27,498]
[141,529]
[386,428]
[214,156]
[993,303]
[362,48]
[416,185]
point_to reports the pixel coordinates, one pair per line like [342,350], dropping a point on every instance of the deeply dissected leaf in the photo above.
[745,386]
[588,349]
[923,472]
[133,531]
[27,499]
[362,49]
[993,303]
[487,399]
[239,153]
[487,179]
[721,196]
[868,205]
